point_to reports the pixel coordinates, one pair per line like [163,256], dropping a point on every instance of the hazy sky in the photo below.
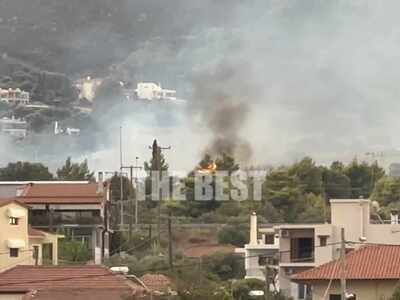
[316,78]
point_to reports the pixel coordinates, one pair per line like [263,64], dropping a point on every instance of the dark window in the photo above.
[35,253]
[335,297]
[323,241]
[302,291]
[13,221]
[269,239]
[302,249]
[14,252]
[262,260]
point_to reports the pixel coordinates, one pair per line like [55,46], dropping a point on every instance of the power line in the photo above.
[149,270]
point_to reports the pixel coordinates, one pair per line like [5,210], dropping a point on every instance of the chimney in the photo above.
[253,229]
[100,186]
[394,216]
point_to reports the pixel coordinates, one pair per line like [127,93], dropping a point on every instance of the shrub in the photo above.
[74,251]
[234,235]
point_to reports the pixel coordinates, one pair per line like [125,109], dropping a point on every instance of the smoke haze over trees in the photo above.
[310,77]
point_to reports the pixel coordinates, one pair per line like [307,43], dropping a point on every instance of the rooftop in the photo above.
[76,282]
[43,193]
[374,262]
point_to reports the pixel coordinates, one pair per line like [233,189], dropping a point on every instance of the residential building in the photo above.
[14,96]
[259,250]
[372,273]
[21,244]
[153,91]
[77,210]
[66,283]
[13,127]
[305,246]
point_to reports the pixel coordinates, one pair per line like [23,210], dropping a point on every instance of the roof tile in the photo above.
[367,263]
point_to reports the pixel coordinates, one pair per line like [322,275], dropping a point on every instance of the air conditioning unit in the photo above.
[285,233]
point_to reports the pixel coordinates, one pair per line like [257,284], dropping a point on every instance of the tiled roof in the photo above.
[35,233]
[82,193]
[367,263]
[156,282]
[60,279]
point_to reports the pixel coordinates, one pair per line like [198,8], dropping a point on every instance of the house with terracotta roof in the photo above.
[298,247]
[20,243]
[371,272]
[76,210]
[67,283]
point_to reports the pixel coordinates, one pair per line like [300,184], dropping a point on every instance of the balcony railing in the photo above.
[299,257]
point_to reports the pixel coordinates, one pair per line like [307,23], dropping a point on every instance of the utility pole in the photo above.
[122,179]
[131,168]
[343,265]
[170,254]
[156,155]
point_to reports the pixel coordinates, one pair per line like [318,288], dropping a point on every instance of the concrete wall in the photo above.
[12,296]
[14,232]
[364,289]
[351,214]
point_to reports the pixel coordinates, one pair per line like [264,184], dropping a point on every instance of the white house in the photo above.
[153,91]
[299,247]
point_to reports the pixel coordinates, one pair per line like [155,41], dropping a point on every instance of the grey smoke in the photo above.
[222,98]
[297,77]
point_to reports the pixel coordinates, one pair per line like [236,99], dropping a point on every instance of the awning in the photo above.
[16,212]
[14,243]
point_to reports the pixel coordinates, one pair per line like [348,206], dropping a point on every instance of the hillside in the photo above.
[79,36]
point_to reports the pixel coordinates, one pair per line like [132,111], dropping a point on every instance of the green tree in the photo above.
[314,211]
[308,175]
[75,171]
[25,171]
[387,190]
[234,235]
[335,183]
[363,177]
[285,193]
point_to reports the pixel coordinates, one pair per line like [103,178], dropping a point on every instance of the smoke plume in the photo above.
[222,99]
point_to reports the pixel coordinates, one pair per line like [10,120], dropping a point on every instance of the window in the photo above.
[323,241]
[13,221]
[35,253]
[269,239]
[301,291]
[262,260]
[14,252]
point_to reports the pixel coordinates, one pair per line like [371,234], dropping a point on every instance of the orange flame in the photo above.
[211,168]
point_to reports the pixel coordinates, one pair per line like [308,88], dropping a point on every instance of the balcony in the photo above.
[301,253]
[81,218]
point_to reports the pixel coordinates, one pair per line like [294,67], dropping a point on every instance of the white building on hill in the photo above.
[153,91]
[12,96]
